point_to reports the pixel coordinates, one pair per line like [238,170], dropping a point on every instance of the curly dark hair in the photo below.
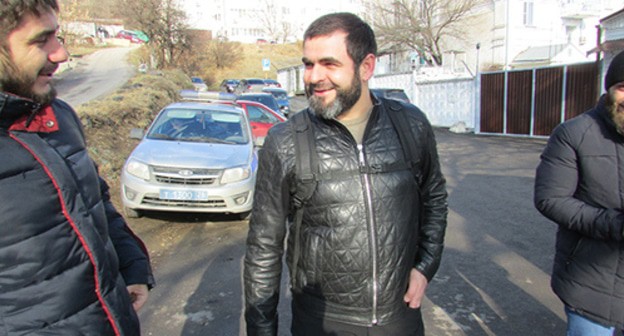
[360,38]
[12,12]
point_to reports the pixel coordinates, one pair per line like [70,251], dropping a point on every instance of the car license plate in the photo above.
[183,195]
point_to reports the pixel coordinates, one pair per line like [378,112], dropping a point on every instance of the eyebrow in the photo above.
[328,59]
[44,33]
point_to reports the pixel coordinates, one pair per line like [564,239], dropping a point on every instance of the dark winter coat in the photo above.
[580,186]
[360,234]
[66,255]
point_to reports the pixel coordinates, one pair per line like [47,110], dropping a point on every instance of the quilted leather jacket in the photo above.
[363,229]
[579,185]
[66,255]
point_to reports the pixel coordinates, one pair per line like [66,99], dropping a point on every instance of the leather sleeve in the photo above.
[265,241]
[435,206]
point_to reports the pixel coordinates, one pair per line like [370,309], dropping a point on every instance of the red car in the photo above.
[129,35]
[261,118]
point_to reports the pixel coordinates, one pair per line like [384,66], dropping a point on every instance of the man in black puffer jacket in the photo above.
[372,232]
[580,186]
[69,264]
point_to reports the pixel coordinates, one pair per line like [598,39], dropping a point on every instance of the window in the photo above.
[528,13]
[258,115]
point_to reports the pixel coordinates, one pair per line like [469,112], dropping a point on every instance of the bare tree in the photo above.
[165,25]
[421,25]
[273,20]
[223,54]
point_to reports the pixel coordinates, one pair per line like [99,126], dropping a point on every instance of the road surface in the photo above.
[94,76]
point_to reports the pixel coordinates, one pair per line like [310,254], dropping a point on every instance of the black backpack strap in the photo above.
[306,160]
[306,170]
[401,125]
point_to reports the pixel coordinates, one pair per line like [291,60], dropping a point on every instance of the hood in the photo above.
[13,107]
[21,114]
[192,155]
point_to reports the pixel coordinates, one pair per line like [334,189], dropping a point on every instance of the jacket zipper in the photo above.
[371,223]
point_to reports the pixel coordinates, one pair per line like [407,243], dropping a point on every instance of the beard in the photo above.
[19,83]
[616,111]
[345,98]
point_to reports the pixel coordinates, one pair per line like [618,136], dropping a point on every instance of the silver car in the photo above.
[195,157]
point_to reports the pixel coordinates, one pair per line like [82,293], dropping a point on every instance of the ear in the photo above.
[367,68]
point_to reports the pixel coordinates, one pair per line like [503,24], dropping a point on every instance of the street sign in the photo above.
[266,64]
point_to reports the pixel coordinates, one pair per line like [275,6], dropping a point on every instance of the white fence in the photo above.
[445,101]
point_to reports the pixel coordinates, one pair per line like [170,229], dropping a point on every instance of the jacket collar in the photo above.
[21,114]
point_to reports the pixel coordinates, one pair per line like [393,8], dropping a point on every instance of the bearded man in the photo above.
[69,264]
[579,185]
[366,243]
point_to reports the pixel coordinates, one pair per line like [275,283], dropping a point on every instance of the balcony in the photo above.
[579,9]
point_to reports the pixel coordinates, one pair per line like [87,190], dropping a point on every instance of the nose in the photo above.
[58,54]
[313,74]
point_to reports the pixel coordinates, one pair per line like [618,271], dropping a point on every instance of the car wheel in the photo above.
[131,213]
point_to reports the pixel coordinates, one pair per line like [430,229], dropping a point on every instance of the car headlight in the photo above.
[235,174]
[138,169]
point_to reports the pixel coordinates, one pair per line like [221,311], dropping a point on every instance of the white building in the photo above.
[269,20]
[524,33]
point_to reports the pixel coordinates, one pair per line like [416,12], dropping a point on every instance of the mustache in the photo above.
[321,86]
[49,69]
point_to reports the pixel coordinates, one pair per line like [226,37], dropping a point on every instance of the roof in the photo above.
[542,53]
[612,45]
[612,15]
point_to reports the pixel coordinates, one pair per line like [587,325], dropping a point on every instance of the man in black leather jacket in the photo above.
[69,264]
[579,184]
[372,233]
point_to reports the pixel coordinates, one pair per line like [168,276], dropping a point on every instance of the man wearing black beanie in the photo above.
[579,185]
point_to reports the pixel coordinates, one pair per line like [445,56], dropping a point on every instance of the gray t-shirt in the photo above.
[357,126]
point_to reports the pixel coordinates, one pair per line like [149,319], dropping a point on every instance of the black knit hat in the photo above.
[615,74]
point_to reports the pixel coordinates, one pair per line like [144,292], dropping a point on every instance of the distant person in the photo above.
[364,245]
[580,186]
[69,264]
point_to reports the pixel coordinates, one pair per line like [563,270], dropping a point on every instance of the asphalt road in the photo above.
[493,280]
[93,76]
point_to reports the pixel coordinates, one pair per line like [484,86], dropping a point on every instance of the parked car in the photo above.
[397,94]
[261,118]
[133,36]
[199,84]
[228,85]
[262,97]
[195,157]
[272,83]
[249,85]
[281,95]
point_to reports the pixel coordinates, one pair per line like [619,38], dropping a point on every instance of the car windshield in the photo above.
[255,81]
[195,125]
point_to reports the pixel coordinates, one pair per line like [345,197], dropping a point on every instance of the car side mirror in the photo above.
[136,133]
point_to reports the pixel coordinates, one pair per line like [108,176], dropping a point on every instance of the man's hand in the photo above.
[138,295]
[416,290]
